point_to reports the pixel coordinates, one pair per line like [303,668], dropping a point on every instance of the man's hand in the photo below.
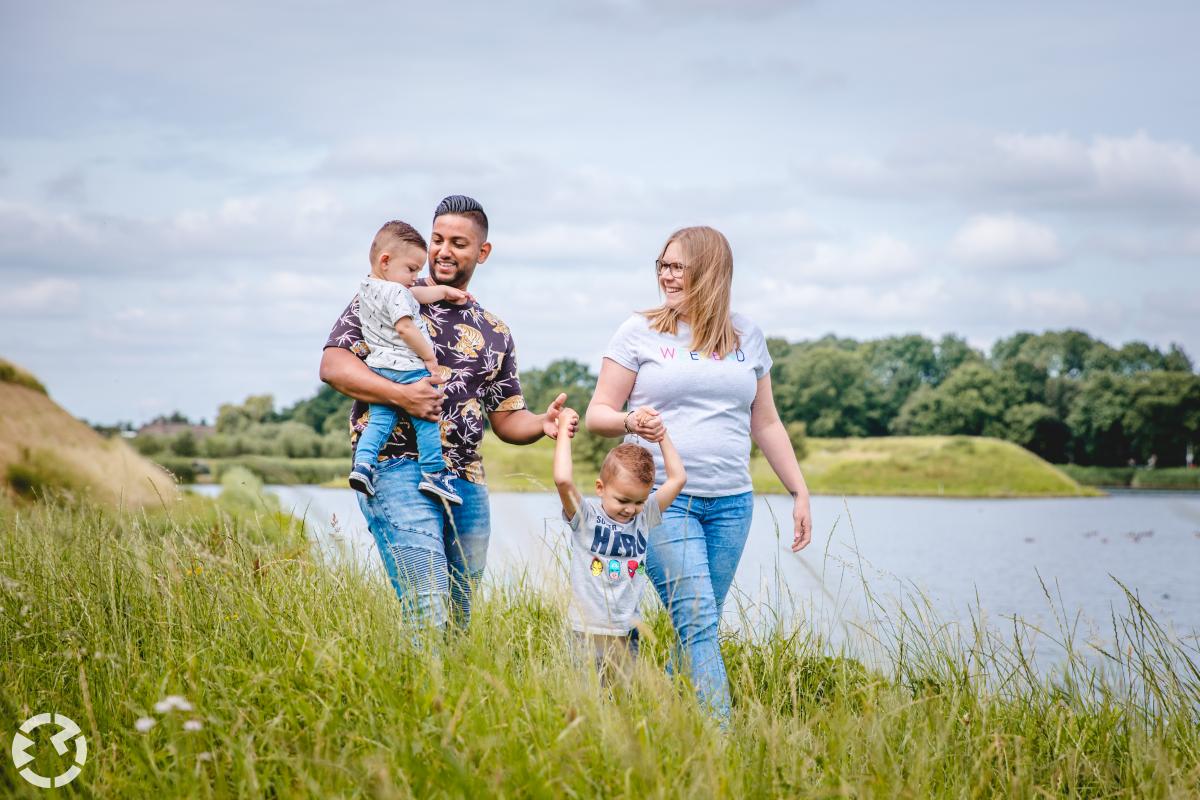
[553,411]
[423,398]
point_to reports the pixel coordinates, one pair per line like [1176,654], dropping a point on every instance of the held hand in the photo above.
[647,424]
[553,411]
[802,517]
[432,366]
[458,295]
[568,420]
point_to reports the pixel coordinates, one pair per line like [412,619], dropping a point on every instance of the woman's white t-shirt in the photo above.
[705,403]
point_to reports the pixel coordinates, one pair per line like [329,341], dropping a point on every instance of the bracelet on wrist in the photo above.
[627,428]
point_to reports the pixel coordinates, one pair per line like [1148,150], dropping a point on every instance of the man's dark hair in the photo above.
[463,206]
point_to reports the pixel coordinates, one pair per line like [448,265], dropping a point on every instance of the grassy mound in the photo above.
[953,466]
[204,652]
[45,451]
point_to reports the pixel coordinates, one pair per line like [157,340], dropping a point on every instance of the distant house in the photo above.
[165,428]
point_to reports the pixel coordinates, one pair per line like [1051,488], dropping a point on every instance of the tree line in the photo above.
[1065,395]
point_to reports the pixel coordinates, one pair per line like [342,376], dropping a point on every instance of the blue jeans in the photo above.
[434,552]
[383,418]
[691,558]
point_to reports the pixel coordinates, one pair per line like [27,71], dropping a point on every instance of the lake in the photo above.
[965,557]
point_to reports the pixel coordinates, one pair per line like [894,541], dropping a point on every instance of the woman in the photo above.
[705,374]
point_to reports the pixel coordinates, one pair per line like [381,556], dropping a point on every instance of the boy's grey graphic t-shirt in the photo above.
[705,403]
[608,569]
[381,304]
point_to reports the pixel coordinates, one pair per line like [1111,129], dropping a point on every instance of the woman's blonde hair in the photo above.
[709,278]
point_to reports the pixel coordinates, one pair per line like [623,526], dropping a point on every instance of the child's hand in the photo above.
[568,419]
[432,366]
[646,423]
[458,295]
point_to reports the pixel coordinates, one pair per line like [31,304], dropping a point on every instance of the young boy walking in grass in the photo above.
[401,351]
[608,541]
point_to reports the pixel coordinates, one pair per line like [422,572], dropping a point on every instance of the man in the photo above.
[434,553]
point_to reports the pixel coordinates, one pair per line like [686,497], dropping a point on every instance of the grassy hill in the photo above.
[45,449]
[952,466]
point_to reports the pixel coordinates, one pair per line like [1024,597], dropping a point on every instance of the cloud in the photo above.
[389,159]
[1135,173]
[1005,241]
[45,297]
[749,69]
[69,186]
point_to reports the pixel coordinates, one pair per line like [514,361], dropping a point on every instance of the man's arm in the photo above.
[525,427]
[347,373]
[564,480]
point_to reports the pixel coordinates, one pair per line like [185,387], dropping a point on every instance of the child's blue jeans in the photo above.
[383,418]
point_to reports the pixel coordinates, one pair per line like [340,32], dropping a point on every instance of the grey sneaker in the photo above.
[440,484]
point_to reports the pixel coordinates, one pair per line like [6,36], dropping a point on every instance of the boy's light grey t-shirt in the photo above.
[608,567]
[705,404]
[381,304]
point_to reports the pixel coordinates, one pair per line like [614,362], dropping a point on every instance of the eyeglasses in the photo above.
[676,270]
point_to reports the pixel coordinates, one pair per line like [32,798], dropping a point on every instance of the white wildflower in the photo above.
[172,702]
[193,725]
[205,756]
[144,724]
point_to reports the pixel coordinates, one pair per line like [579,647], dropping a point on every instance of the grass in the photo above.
[43,448]
[11,373]
[306,681]
[956,466]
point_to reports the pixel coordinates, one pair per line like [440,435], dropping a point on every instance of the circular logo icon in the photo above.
[69,730]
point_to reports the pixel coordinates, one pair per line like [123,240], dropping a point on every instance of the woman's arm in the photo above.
[768,432]
[604,413]
[347,373]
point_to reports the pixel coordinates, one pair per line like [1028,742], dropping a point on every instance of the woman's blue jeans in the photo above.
[691,558]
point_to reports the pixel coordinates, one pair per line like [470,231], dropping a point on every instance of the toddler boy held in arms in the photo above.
[608,540]
[401,351]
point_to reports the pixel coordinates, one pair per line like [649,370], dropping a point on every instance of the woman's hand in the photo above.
[645,423]
[802,519]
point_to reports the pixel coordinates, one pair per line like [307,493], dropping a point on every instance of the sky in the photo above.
[188,191]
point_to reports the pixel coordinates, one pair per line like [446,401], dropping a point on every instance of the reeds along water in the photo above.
[303,678]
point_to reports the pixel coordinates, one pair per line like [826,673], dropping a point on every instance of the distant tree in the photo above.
[256,409]
[971,401]
[541,386]
[830,390]
[184,444]
[952,352]
[899,365]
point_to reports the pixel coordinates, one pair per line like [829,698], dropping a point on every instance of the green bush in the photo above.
[185,470]
[1099,476]
[1174,478]
[277,470]
[43,475]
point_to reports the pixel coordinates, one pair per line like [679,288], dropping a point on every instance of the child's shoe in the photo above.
[362,479]
[440,484]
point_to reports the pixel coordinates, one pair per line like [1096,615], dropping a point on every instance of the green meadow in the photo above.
[277,674]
